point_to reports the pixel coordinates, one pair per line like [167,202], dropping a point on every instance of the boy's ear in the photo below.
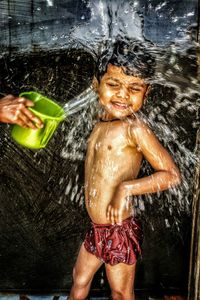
[95,83]
[146,93]
[148,90]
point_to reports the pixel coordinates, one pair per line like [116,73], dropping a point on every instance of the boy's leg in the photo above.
[86,266]
[121,280]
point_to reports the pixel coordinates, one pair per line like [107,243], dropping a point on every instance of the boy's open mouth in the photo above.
[119,105]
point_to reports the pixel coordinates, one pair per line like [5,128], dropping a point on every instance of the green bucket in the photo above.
[51,115]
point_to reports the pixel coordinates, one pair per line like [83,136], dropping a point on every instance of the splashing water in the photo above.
[47,187]
[80,102]
[172,108]
[171,111]
[162,115]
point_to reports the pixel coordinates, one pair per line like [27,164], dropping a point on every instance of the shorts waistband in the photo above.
[116,224]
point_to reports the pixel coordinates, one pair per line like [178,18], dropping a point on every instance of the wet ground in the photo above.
[140,295]
[64,297]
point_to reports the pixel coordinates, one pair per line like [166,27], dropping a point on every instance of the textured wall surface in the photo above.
[54,23]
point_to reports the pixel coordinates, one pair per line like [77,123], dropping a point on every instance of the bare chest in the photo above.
[110,155]
[108,138]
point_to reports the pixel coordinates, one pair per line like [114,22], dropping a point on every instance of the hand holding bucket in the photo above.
[51,115]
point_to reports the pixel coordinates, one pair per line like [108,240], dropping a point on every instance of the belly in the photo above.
[100,217]
[103,174]
[97,206]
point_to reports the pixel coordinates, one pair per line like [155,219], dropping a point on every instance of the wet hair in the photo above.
[132,55]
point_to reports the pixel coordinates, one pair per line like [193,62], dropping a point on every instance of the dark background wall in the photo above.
[53,23]
[41,193]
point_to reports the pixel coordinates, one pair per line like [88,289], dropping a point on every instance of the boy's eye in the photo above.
[135,89]
[112,84]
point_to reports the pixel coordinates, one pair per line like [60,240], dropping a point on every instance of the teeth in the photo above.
[120,104]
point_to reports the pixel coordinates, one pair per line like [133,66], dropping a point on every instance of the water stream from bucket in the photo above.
[80,102]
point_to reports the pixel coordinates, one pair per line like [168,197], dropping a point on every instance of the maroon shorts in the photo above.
[113,244]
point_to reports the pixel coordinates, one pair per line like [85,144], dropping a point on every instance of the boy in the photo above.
[115,151]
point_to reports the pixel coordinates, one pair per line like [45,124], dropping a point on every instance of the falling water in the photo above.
[80,102]
[178,79]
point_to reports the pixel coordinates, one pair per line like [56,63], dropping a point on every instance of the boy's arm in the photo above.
[165,176]
[166,172]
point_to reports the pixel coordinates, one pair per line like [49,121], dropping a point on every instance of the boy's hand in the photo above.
[117,206]
[14,110]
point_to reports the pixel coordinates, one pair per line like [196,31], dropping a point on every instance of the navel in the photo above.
[109,147]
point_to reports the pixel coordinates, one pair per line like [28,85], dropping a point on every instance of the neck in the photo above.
[106,117]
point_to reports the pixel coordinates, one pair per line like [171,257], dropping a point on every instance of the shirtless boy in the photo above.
[116,147]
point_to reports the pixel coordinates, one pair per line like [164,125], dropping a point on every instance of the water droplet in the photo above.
[190,14]
[49,3]
[54,37]
[167,223]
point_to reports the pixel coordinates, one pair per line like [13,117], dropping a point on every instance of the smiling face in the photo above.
[121,95]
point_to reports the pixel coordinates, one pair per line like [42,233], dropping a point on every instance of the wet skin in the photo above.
[116,148]
[115,151]
[14,110]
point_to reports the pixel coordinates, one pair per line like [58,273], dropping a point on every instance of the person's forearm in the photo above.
[156,182]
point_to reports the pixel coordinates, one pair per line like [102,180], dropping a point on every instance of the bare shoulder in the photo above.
[150,146]
[138,130]
[138,124]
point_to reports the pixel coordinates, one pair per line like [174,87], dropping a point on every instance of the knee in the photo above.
[117,295]
[121,294]
[80,281]
[80,287]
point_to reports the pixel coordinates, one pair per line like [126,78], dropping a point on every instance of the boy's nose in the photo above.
[123,93]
